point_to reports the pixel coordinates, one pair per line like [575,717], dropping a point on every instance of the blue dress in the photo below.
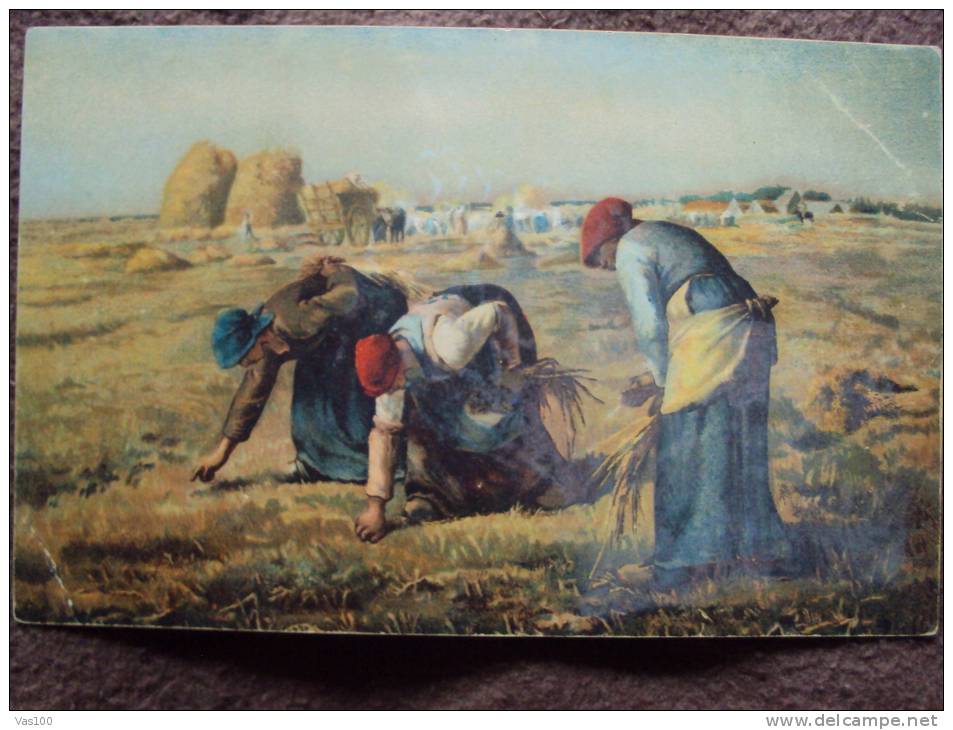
[330,413]
[713,502]
[458,462]
[440,398]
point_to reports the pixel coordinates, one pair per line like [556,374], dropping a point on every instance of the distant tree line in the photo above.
[724,196]
[767,192]
[906,212]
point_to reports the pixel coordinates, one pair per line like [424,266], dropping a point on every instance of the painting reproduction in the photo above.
[468,332]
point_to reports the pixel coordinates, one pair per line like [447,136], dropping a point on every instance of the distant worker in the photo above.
[803,214]
[459,220]
[380,227]
[388,215]
[398,222]
[245,232]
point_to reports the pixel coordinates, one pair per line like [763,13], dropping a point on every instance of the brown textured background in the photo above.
[56,668]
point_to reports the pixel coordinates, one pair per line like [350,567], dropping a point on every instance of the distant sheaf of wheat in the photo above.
[412,289]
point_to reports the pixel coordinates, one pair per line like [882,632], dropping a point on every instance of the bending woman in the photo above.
[709,342]
[449,382]
[315,322]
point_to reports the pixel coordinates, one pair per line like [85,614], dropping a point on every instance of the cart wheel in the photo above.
[359,227]
[333,237]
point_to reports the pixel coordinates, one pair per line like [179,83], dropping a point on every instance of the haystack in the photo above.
[197,190]
[266,186]
[273,244]
[210,254]
[485,260]
[187,233]
[154,259]
[251,259]
[100,250]
[217,252]
[473,261]
[504,243]
[222,233]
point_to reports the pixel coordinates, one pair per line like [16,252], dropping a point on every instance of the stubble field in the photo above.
[118,395]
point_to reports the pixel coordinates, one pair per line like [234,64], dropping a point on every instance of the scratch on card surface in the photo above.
[865,128]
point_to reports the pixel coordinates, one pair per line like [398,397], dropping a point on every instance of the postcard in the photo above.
[469,332]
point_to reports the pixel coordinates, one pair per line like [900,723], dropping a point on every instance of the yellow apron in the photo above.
[705,350]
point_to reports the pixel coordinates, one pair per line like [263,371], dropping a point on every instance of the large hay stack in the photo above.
[266,186]
[197,190]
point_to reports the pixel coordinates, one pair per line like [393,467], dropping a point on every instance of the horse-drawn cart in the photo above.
[340,210]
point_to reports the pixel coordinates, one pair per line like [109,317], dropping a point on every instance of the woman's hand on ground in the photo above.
[206,469]
[371,524]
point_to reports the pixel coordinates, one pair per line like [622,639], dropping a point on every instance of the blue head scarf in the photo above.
[235,333]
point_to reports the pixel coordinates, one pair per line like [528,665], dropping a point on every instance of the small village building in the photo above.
[731,215]
[819,208]
[704,212]
[788,202]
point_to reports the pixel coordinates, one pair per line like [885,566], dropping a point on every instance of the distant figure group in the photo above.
[392,221]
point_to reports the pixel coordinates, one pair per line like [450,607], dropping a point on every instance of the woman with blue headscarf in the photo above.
[314,321]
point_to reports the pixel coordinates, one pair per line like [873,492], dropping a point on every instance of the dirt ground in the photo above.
[118,395]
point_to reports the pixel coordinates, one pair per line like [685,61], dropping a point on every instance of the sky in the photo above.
[470,114]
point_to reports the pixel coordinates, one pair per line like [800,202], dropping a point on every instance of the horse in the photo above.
[398,221]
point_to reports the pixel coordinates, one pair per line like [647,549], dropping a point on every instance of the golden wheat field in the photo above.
[117,395]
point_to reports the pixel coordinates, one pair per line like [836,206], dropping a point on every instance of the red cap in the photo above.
[608,220]
[377,361]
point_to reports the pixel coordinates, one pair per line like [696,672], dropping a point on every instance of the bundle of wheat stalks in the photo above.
[564,386]
[629,451]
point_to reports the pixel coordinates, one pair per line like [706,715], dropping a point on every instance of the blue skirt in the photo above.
[713,503]
[331,416]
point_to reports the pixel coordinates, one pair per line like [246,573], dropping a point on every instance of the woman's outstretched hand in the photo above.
[641,388]
[371,524]
[206,469]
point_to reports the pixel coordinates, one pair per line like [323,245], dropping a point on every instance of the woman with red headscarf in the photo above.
[709,342]
[450,383]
